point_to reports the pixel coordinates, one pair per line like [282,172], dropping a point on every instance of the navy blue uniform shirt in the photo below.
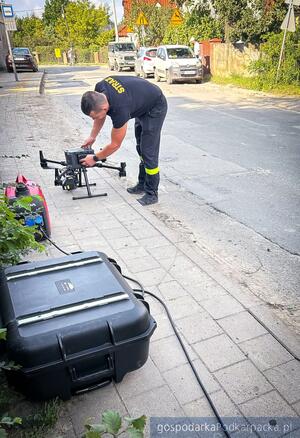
[128,97]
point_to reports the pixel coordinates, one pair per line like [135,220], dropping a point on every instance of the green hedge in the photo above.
[46,55]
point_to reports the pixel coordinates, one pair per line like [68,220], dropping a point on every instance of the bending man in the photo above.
[124,98]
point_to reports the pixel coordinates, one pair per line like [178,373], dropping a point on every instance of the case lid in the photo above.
[61,285]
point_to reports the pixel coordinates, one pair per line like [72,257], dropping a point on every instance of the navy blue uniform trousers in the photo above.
[147,133]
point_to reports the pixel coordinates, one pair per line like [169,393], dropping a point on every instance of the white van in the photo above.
[121,55]
[177,63]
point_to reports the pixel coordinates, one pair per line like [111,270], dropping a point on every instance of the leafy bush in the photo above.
[266,67]
[16,240]
[111,424]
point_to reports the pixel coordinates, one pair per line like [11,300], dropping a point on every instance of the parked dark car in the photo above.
[23,60]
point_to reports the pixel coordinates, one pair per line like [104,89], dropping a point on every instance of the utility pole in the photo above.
[2,4]
[115,20]
[66,21]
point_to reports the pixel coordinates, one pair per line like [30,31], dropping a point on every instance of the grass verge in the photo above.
[252,83]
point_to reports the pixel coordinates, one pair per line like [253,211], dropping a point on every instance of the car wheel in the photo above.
[35,69]
[156,76]
[169,77]
[198,81]
[111,67]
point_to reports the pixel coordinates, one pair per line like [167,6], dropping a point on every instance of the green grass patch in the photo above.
[255,83]
[37,418]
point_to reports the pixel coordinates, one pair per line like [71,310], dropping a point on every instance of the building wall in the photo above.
[226,60]
[3,45]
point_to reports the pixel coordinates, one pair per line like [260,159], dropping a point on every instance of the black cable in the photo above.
[186,354]
[51,241]
[138,283]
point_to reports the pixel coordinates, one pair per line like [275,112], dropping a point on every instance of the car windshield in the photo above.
[19,51]
[180,52]
[151,53]
[124,47]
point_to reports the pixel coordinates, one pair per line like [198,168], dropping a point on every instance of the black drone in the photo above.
[69,176]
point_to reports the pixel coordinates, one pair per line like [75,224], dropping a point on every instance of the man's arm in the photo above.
[97,126]
[117,136]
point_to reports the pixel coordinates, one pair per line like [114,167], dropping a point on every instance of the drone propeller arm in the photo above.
[121,168]
[44,162]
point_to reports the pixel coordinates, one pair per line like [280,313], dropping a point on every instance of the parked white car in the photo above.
[177,63]
[144,63]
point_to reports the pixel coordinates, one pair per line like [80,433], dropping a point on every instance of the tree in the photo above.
[53,11]
[30,33]
[82,24]
[249,20]
[229,12]
[158,21]
[202,28]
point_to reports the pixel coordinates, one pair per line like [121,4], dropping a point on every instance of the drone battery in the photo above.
[38,215]
[73,157]
[73,324]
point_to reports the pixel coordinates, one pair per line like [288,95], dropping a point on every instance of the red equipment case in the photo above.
[39,214]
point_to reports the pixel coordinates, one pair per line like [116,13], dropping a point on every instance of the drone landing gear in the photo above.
[87,185]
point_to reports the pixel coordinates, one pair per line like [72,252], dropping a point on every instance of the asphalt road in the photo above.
[241,155]
[230,164]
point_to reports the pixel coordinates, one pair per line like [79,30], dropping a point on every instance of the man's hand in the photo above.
[88,142]
[88,161]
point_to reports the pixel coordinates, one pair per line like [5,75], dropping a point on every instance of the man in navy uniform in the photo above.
[124,98]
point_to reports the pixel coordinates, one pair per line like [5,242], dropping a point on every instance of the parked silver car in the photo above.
[121,55]
[144,62]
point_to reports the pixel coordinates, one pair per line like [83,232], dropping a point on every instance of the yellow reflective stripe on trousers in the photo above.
[152,171]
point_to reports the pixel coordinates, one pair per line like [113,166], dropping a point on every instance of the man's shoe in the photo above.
[136,190]
[148,199]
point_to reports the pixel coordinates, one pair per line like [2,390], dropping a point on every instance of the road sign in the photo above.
[289,21]
[141,20]
[57,53]
[8,17]
[7,11]
[294,2]
[176,18]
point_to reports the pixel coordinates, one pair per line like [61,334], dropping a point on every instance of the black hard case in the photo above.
[73,323]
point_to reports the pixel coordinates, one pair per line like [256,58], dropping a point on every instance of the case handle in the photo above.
[107,372]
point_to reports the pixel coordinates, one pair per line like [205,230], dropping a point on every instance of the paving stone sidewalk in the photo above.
[244,369]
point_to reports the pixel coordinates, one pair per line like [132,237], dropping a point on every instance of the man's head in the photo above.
[94,104]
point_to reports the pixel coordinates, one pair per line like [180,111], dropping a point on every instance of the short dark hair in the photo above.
[92,101]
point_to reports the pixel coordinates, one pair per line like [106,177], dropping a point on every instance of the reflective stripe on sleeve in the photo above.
[152,171]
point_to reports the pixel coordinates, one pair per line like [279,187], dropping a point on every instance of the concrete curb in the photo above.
[42,83]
